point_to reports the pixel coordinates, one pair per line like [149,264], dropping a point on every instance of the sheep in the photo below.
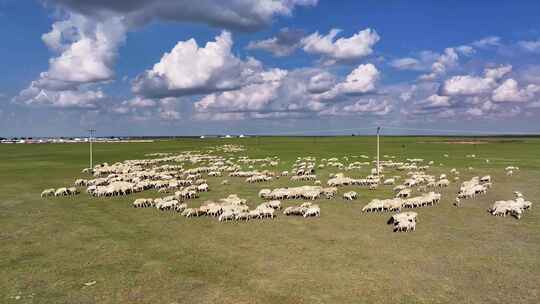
[313,210]
[294,210]
[61,192]
[48,192]
[389,181]
[404,193]
[180,207]
[190,212]
[266,212]
[242,216]
[254,214]
[80,182]
[274,204]
[226,216]
[329,192]
[486,179]
[513,207]
[351,195]
[405,221]
[443,183]
[264,193]
[203,187]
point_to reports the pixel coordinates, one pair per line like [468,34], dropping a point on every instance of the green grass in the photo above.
[51,247]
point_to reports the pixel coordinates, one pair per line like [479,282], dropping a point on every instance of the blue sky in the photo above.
[129,67]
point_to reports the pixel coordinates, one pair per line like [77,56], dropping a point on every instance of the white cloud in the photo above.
[189,69]
[498,72]
[361,80]
[509,91]
[437,101]
[284,44]
[486,42]
[474,112]
[252,97]
[467,85]
[530,46]
[88,49]
[321,82]
[293,94]
[34,96]
[407,63]
[444,62]
[357,46]
[372,106]
[245,15]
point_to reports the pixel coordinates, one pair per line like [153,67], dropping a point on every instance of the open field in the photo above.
[51,247]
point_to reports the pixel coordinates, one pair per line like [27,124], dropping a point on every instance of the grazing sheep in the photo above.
[389,181]
[190,212]
[61,192]
[264,193]
[48,192]
[81,182]
[203,187]
[405,221]
[242,216]
[513,207]
[404,193]
[443,183]
[313,210]
[351,195]
[227,216]
[274,204]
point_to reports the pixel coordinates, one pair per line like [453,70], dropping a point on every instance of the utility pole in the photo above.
[92,132]
[378,131]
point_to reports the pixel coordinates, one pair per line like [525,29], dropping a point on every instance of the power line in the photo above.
[465,131]
[320,130]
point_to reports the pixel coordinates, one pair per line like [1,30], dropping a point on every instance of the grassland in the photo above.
[51,247]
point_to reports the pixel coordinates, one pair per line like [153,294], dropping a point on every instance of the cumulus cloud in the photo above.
[343,49]
[466,85]
[252,97]
[321,82]
[445,61]
[509,91]
[437,101]
[293,94]
[245,15]
[497,72]
[189,69]
[361,80]
[86,51]
[469,85]
[284,44]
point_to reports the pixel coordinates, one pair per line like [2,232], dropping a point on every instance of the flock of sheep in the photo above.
[181,178]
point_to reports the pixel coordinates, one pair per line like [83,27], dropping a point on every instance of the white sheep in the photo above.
[48,192]
[351,195]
